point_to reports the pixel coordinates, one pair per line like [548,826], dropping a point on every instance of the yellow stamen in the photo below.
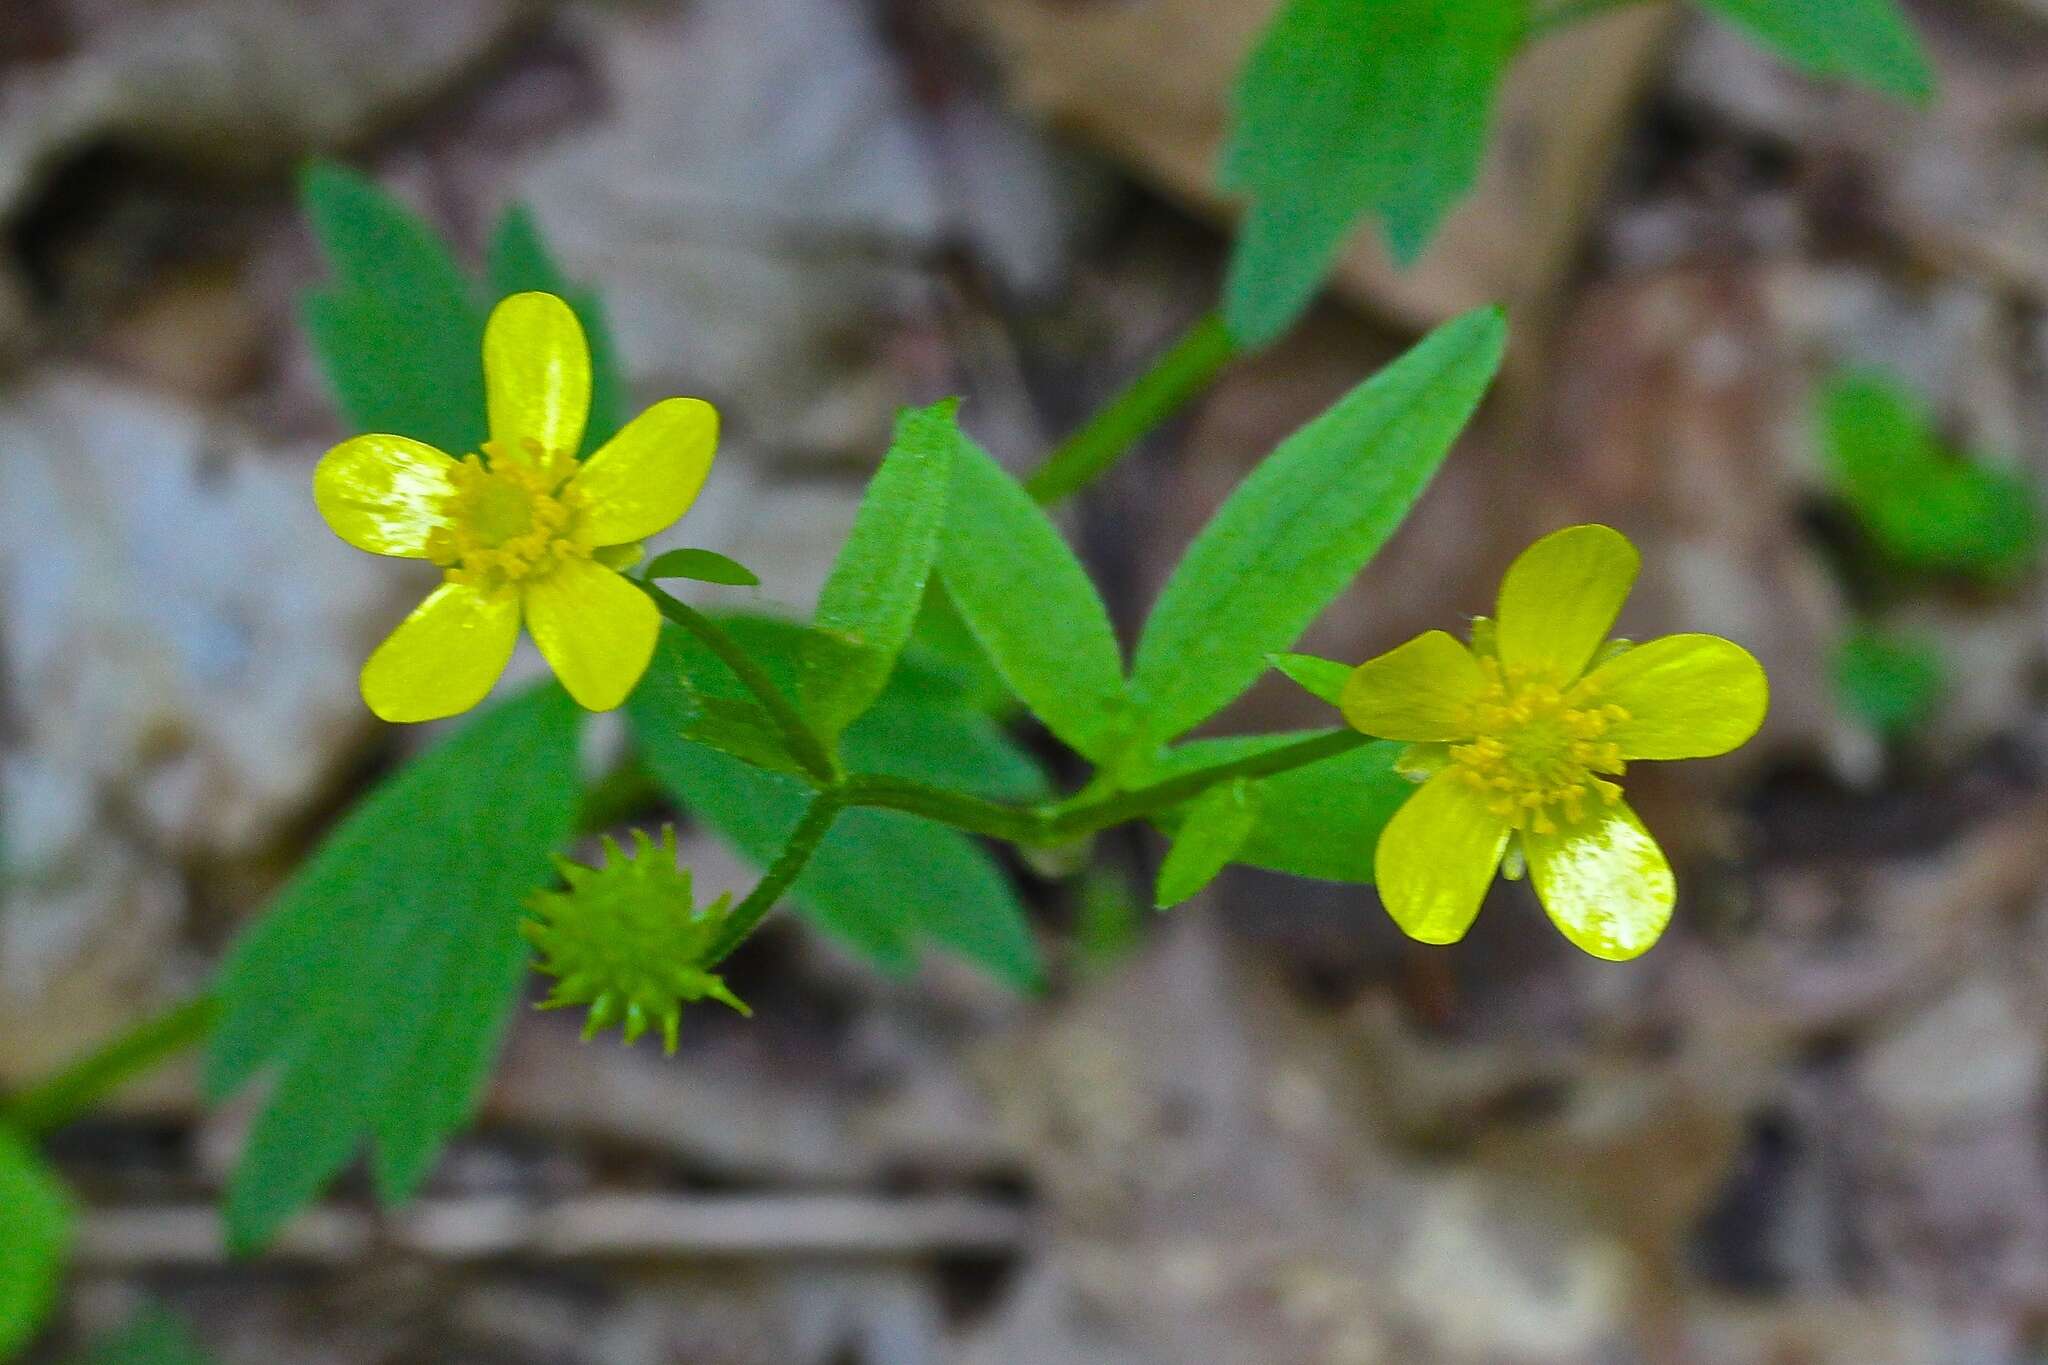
[509,521]
[1536,748]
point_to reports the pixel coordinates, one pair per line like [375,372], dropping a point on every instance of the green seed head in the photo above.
[627,940]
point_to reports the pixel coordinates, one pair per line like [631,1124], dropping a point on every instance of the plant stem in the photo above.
[796,854]
[57,1100]
[1116,809]
[1175,378]
[1055,825]
[1570,12]
[802,741]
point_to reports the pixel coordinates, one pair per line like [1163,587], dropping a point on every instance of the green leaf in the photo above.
[882,881]
[1032,606]
[1349,106]
[1891,683]
[156,1336]
[1302,525]
[399,332]
[518,261]
[1860,40]
[1321,821]
[1214,829]
[872,598]
[36,1215]
[378,985]
[1324,678]
[943,637]
[1926,507]
[1106,920]
[704,566]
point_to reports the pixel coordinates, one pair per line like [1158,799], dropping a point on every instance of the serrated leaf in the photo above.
[35,1241]
[156,1336]
[882,881]
[1214,828]
[1031,606]
[1925,506]
[1323,678]
[1302,525]
[519,260]
[703,566]
[378,985]
[1350,106]
[1321,821]
[1889,682]
[1870,41]
[876,589]
[399,331]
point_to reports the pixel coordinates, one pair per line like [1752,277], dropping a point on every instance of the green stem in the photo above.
[1043,826]
[57,1100]
[802,741]
[1571,12]
[1175,378]
[1016,824]
[796,854]
[1116,809]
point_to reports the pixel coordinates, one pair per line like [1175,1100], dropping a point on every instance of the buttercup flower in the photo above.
[1523,734]
[521,530]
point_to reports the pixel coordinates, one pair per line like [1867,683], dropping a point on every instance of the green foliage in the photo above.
[519,261]
[705,566]
[1321,821]
[1889,682]
[882,881]
[1862,40]
[35,1241]
[1216,827]
[877,586]
[156,1336]
[399,332]
[377,987]
[1106,920]
[1303,524]
[1322,678]
[1031,606]
[1349,106]
[1926,507]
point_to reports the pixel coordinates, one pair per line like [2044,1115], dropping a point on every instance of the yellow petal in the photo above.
[1420,691]
[383,494]
[595,629]
[1604,883]
[1436,858]
[1560,598]
[647,476]
[444,657]
[1687,696]
[536,377]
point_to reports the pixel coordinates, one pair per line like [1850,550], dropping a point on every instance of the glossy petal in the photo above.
[1418,692]
[536,376]
[1688,696]
[1605,883]
[1436,858]
[647,476]
[595,629]
[444,657]
[383,494]
[1560,598]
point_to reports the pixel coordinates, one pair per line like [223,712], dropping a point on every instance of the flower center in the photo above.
[509,522]
[1537,748]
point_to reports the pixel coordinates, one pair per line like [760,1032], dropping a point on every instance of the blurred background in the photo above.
[1809,1127]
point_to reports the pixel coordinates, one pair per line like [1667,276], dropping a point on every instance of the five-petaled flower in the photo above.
[1523,733]
[522,529]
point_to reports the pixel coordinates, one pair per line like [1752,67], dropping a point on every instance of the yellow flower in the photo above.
[1526,730]
[521,530]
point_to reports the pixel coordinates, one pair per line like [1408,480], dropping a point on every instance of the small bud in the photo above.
[628,940]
